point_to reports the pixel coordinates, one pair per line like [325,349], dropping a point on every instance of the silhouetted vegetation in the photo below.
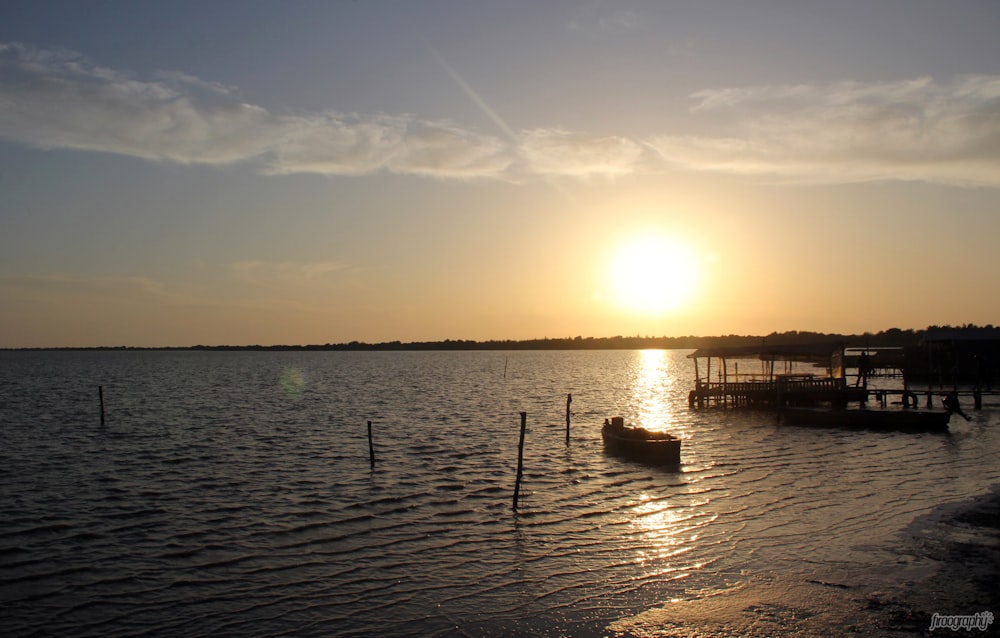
[893,337]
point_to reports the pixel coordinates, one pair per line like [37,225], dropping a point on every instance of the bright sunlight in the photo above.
[653,274]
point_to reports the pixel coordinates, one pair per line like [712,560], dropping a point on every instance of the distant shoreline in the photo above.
[887,338]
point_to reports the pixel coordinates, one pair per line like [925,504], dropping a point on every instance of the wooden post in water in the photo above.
[520,459]
[569,399]
[100,395]
[371,448]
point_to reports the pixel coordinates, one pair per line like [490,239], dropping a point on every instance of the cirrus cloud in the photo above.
[285,274]
[917,130]
[558,152]
[53,99]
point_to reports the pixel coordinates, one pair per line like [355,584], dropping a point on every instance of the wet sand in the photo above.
[957,545]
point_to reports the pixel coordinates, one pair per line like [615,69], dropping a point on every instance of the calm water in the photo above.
[231,493]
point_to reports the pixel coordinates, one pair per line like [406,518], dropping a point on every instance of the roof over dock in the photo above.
[808,352]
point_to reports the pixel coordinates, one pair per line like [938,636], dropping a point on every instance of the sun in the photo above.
[653,274]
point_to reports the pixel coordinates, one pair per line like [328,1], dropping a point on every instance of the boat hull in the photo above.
[898,420]
[652,451]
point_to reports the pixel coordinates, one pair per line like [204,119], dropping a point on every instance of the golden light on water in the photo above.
[664,525]
[669,532]
[652,383]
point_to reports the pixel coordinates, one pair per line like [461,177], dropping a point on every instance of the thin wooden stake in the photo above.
[569,399]
[520,459]
[100,394]
[371,447]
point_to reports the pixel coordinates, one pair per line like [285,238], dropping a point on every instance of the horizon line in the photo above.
[446,344]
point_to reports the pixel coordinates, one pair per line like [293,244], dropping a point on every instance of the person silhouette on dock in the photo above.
[864,369]
[951,405]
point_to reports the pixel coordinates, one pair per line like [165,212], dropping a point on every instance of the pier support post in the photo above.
[100,395]
[520,459]
[371,446]
[569,400]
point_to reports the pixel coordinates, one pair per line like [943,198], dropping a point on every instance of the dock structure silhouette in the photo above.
[787,374]
[776,376]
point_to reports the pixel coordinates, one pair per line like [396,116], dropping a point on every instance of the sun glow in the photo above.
[653,274]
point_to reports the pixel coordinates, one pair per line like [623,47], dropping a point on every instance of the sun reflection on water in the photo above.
[673,529]
[668,533]
[652,391]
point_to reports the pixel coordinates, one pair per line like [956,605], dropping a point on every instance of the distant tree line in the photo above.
[893,337]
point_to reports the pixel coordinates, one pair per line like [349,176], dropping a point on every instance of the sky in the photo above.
[268,172]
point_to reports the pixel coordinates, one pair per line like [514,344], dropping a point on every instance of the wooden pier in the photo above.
[795,374]
[784,390]
[927,397]
[792,392]
[801,375]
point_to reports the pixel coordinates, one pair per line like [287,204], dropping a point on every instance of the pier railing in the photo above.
[784,390]
[805,390]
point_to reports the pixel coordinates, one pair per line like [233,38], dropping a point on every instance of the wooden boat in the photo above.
[906,420]
[640,444]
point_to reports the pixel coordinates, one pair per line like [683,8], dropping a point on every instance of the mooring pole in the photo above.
[100,395]
[520,459]
[569,399]
[371,448]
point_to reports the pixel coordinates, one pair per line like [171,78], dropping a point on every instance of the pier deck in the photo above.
[784,390]
[812,374]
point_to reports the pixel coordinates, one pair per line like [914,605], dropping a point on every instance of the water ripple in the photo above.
[231,493]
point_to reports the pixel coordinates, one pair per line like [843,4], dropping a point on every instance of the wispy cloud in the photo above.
[558,152]
[600,17]
[288,274]
[177,78]
[354,144]
[298,286]
[58,100]
[848,131]
[302,284]
[59,285]
[917,129]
